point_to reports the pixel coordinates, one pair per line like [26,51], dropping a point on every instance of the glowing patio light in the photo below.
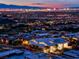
[52,49]
[60,46]
[74,38]
[7,41]
[46,50]
[2,40]
[66,46]
[25,42]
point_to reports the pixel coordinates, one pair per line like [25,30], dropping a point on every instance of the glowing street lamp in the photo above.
[25,42]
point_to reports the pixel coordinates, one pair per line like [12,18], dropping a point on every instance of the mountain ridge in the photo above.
[19,6]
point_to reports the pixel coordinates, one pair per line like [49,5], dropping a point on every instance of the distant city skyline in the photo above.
[43,3]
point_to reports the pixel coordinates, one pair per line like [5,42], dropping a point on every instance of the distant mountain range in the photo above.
[18,6]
